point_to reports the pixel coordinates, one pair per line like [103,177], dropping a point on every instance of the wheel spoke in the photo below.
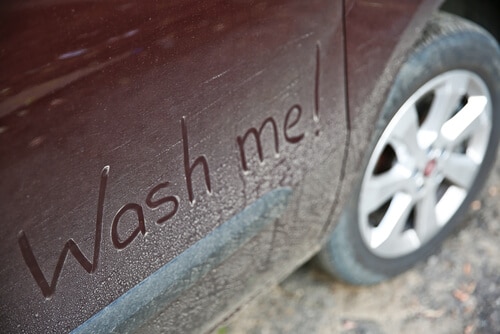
[389,232]
[460,169]
[380,188]
[446,98]
[449,203]
[404,138]
[426,223]
[466,122]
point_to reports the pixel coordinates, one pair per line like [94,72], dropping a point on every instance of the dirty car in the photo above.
[163,162]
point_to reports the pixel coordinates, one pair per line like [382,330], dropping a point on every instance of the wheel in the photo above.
[433,147]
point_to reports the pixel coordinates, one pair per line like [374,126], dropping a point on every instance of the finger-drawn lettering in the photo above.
[258,141]
[316,83]
[140,228]
[296,111]
[155,204]
[69,246]
[157,197]
[189,168]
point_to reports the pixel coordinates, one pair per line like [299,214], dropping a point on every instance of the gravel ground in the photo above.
[455,291]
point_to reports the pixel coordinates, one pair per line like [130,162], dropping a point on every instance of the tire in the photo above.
[433,147]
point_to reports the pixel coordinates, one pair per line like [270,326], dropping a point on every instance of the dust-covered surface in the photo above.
[455,291]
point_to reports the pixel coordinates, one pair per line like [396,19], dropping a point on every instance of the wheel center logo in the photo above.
[429,168]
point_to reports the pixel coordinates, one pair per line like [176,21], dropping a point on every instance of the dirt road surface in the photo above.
[455,291]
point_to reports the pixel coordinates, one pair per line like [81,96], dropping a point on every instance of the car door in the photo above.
[161,160]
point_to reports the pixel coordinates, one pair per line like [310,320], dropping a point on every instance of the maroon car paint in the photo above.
[129,130]
[370,42]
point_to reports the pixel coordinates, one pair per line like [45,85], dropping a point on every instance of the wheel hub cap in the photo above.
[430,167]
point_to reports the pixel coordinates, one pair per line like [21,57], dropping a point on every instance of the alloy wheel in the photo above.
[424,163]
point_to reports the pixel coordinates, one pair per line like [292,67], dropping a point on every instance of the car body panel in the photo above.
[370,41]
[150,297]
[134,132]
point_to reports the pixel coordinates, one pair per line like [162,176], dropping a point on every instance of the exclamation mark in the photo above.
[316,87]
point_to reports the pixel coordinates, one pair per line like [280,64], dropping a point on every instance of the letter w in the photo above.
[70,246]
